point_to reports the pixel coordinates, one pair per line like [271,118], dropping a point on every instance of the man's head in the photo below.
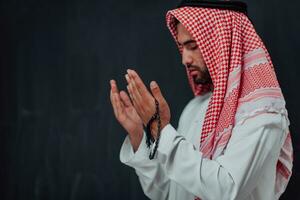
[192,57]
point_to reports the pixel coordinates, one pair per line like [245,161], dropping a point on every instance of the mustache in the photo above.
[197,68]
[206,78]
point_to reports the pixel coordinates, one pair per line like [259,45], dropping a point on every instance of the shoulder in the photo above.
[269,128]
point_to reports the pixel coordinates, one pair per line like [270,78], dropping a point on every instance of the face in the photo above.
[192,57]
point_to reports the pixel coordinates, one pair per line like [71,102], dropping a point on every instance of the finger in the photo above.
[138,83]
[134,94]
[156,92]
[135,103]
[115,106]
[113,91]
[114,86]
[133,97]
[129,89]
[125,99]
[141,93]
[127,78]
[119,106]
[113,102]
[129,92]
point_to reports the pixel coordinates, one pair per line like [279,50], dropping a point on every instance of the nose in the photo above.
[186,58]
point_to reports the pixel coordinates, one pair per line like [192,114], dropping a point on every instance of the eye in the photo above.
[192,46]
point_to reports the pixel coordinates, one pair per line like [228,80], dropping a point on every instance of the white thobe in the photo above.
[246,169]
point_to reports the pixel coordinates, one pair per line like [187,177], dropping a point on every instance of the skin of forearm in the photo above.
[135,140]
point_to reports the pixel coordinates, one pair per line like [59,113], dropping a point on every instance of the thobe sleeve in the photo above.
[154,182]
[253,145]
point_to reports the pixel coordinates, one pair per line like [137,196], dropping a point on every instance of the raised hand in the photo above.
[126,114]
[143,100]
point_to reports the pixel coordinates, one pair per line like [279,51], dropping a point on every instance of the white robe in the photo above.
[246,170]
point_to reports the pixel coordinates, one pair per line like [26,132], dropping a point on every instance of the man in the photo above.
[232,141]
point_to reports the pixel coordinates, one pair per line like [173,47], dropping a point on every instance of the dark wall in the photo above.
[59,138]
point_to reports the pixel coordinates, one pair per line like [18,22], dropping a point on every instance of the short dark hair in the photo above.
[176,21]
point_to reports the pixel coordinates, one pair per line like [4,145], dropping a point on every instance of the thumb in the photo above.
[156,91]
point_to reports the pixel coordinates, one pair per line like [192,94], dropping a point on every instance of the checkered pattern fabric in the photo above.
[242,74]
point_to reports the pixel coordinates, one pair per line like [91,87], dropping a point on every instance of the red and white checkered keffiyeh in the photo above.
[243,76]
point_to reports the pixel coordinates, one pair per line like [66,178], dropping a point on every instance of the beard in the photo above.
[202,76]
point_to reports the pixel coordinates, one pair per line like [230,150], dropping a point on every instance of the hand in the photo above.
[144,102]
[126,114]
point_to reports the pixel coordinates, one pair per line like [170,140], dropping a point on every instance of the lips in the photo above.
[193,72]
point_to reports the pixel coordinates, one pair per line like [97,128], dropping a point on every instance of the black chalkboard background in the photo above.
[58,136]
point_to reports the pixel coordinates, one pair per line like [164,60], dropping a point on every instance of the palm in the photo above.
[124,111]
[129,119]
